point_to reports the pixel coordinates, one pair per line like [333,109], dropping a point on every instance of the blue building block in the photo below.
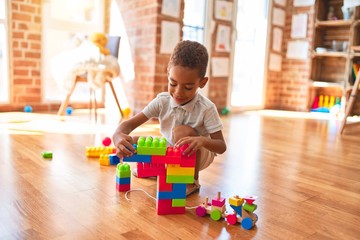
[178,192]
[114,159]
[237,209]
[120,181]
[138,158]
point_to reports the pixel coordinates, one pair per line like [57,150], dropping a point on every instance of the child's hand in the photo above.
[123,144]
[194,142]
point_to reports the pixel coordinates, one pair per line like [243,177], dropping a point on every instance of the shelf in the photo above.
[330,54]
[355,48]
[335,23]
[327,84]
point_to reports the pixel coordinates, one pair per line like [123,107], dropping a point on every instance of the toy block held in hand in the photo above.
[151,146]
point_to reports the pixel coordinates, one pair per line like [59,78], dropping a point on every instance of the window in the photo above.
[4,59]
[194,20]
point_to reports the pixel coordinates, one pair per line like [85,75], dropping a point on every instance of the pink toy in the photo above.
[106,142]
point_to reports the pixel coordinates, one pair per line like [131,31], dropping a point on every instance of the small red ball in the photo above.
[106,142]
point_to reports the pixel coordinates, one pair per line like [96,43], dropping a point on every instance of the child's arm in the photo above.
[215,143]
[122,141]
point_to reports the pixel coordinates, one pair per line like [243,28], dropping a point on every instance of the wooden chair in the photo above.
[350,102]
[113,45]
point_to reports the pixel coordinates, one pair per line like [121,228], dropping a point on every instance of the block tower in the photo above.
[173,170]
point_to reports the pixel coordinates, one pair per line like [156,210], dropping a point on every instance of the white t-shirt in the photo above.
[200,114]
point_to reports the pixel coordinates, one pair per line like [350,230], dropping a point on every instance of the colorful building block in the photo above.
[162,185]
[178,191]
[114,160]
[47,154]
[150,170]
[164,207]
[104,160]
[179,179]
[138,158]
[249,207]
[179,202]
[151,146]
[177,170]
[97,151]
[123,174]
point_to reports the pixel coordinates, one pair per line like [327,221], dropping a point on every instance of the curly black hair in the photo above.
[190,54]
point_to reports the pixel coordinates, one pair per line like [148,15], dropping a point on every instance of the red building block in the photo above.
[164,207]
[150,170]
[122,187]
[162,185]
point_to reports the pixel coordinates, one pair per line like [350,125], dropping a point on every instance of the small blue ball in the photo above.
[69,110]
[27,108]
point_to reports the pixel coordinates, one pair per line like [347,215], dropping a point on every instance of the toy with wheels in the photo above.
[243,210]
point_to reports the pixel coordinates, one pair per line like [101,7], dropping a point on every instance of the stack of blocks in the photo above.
[123,177]
[173,170]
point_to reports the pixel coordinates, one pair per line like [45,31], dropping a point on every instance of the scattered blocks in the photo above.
[47,154]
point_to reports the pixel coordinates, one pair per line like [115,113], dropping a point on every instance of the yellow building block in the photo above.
[176,170]
[97,151]
[236,201]
[104,160]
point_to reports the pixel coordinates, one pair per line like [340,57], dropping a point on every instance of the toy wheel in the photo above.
[247,223]
[200,211]
[231,219]
[215,215]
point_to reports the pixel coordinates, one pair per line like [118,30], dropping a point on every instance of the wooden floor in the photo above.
[306,177]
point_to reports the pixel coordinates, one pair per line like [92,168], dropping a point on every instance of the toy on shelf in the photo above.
[326,104]
[173,170]
[243,210]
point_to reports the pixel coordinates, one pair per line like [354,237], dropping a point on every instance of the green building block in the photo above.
[179,179]
[249,207]
[151,146]
[123,170]
[47,154]
[178,202]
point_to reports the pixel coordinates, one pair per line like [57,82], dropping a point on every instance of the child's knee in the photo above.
[183,131]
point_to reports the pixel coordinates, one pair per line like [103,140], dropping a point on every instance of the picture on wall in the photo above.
[223,10]
[223,38]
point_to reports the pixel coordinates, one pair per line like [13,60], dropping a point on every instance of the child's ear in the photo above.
[203,82]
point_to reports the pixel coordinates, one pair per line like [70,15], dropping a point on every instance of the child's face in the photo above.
[184,83]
